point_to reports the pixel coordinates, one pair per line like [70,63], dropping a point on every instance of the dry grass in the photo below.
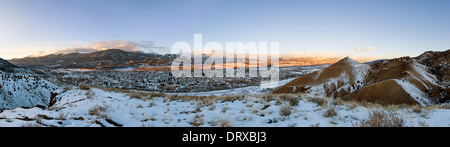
[319,101]
[89,94]
[381,119]
[285,110]
[292,99]
[445,106]
[99,111]
[136,95]
[197,120]
[63,116]
[330,112]
[152,103]
[84,87]
[224,122]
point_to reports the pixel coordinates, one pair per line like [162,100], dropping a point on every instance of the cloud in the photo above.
[198,23]
[363,48]
[132,46]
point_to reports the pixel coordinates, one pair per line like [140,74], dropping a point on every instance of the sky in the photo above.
[355,28]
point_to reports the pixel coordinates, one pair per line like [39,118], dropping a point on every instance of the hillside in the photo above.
[106,59]
[422,80]
[337,80]
[21,87]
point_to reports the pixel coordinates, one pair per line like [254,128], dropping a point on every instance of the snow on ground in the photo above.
[96,107]
[250,90]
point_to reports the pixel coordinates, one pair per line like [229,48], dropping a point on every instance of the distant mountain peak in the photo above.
[104,59]
[347,61]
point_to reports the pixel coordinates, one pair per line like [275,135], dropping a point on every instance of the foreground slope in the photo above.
[21,87]
[100,108]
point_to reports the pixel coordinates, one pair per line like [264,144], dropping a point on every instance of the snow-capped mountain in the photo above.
[22,87]
[422,80]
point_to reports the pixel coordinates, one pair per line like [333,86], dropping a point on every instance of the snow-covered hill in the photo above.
[422,80]
[21,87]
[337,80]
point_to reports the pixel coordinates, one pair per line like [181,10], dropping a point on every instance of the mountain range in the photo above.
[421,80]
[106,59]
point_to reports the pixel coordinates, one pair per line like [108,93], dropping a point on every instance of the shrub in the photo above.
[136,95]
[152,103]
[63,116]
[98,111]
[292,99]
[330,112]
[285,110]
[197,120]
[381,119]
[224,122]
[84,87]
[319,101]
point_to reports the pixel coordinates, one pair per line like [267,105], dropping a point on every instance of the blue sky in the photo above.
[355,28]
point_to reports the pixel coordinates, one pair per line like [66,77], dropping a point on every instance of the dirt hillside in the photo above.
[422,80]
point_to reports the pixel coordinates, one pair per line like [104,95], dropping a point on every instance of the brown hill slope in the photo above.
[336,80]
[385,93]
[422,80]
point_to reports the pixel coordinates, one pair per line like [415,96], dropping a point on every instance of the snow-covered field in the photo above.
[97,107]
[249,90]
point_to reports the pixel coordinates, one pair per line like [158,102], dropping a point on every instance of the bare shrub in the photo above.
[152,103]
[381,119]
[292,99]
[135,95]
[268,97]
[89,94]
[84,87]
[224,109]
[197,120]
[213,123]
[99,111]
[330,112]
[63,116]
[338,102]
[352,104]
[224,122]
[319,101]
[285,110]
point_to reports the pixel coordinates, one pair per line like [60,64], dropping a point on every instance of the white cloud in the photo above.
[143,45]
[364,48]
